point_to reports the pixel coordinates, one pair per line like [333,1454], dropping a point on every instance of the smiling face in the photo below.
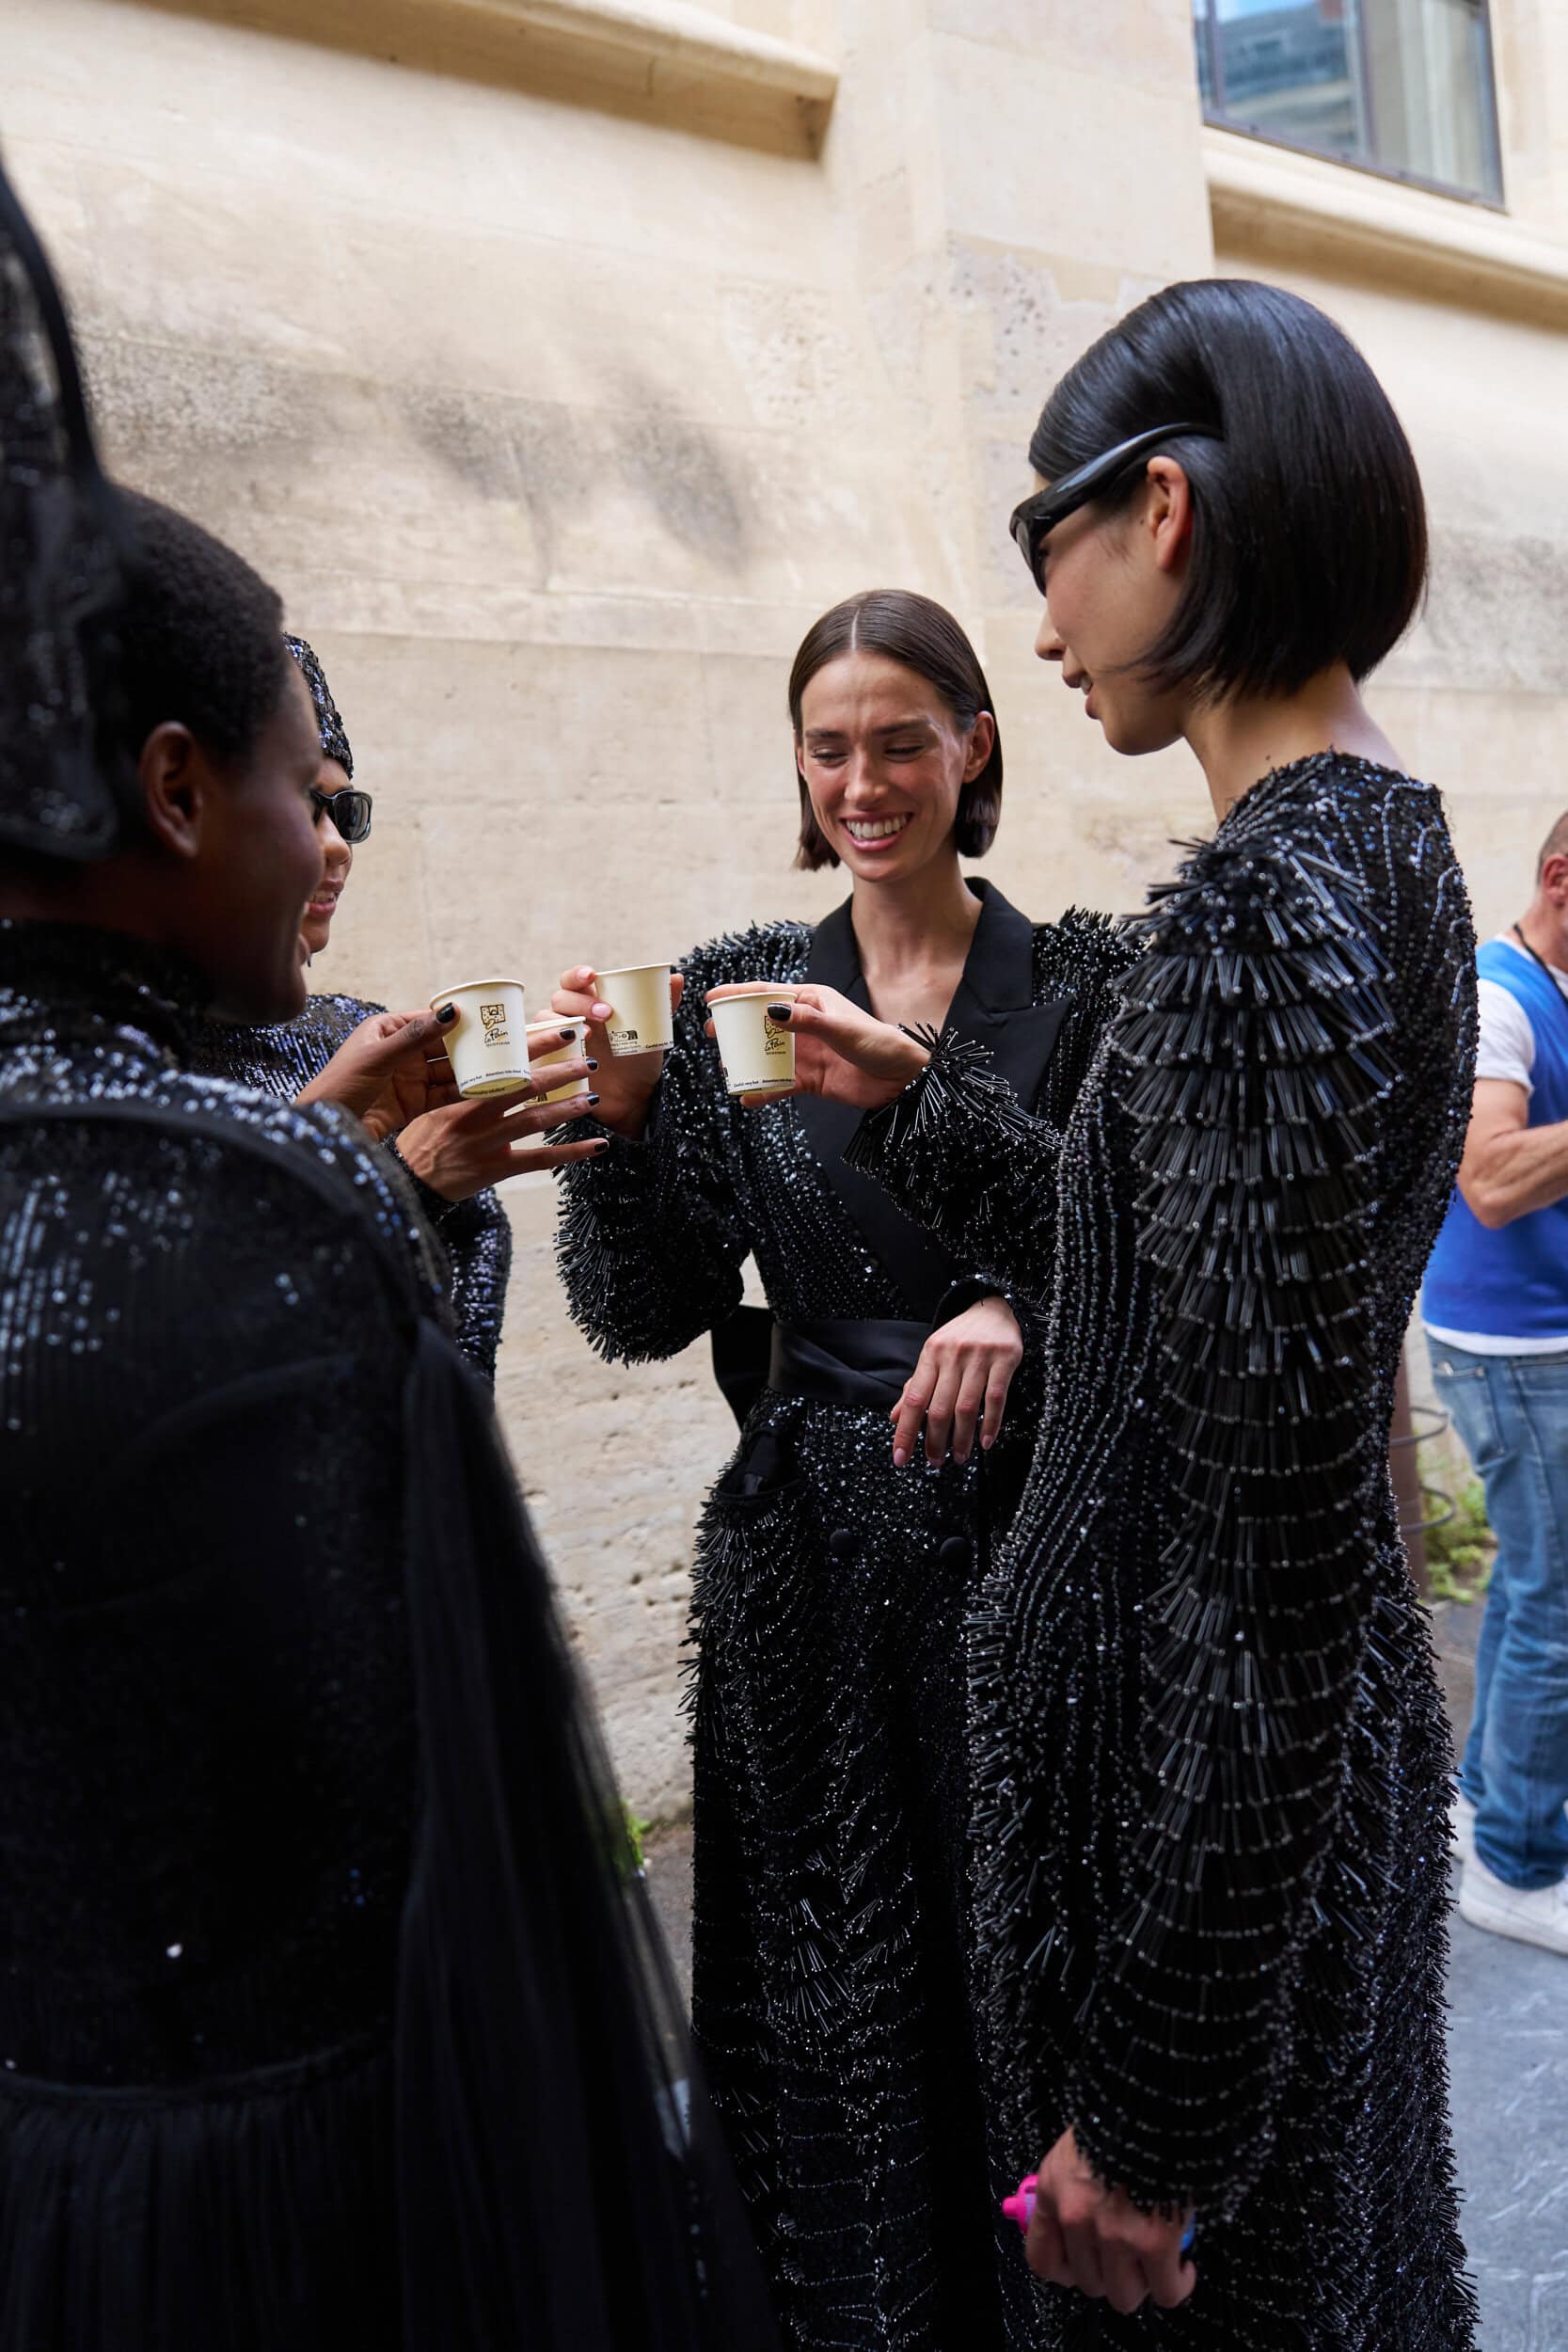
[885,760]
[1112,584]
[337,858]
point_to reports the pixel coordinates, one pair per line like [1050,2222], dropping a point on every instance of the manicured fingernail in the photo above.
[592,1099]
[900,1457]
[987,1442]
[591,1062]
[447,1013]
[602,1012]
[603,1144]
[780,1014]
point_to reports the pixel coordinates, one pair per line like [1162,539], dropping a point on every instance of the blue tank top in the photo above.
[1512,1283]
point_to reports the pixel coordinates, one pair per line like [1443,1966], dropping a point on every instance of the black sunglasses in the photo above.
[349,809]
[1039,513]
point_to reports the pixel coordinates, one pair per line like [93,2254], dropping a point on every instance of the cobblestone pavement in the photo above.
[1508,2058]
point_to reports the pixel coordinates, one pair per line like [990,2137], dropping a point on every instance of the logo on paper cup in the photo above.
[494,1018]
[774,1041]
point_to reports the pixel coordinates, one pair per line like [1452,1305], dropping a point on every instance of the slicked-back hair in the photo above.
[925,638]
[1309,534]
[202,637]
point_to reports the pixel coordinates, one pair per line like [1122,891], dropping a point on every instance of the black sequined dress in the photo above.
[330,2011]
[1214,1766]
[830,1790]
[475,1235]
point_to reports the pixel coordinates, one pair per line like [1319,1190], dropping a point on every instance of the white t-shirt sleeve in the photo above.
[1505,1047]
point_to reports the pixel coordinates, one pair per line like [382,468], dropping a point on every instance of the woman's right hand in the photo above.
[626,1081]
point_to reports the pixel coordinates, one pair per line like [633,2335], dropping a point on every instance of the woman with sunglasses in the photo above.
[1212,1832]
[335,1052]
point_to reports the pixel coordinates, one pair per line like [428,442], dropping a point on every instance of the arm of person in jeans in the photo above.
[1511,1168]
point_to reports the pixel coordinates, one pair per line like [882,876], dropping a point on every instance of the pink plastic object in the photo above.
[1021,2207]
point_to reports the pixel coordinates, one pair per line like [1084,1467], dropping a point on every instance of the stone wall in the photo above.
[559,384]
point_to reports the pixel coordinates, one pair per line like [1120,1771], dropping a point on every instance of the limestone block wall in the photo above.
[558,395]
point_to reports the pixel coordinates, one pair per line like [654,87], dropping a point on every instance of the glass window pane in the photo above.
[1403,85]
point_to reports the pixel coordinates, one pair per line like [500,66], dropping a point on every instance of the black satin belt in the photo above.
[846,1361]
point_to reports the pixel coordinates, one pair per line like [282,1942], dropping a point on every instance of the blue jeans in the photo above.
[1511,1412]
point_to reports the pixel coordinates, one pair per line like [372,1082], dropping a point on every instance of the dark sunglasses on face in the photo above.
[1038,516]
[349,809]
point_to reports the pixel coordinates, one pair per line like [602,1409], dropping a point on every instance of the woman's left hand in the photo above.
[390,1069]
[842,1051]
[466,1148]
[1086,2235]
[965,1370]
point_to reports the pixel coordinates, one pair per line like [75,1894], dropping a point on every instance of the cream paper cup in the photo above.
[575,1031]
[642,1020]
[757,1055]
[487,1043]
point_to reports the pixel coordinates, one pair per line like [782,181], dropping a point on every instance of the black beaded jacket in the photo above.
[1214,1767]
[475,1235]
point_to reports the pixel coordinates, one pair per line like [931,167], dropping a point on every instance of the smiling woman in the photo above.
[838,1554]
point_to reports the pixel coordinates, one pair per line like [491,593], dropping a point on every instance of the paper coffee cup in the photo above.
[757,1055]
[643,1020]
[575,1031]
[487,1043]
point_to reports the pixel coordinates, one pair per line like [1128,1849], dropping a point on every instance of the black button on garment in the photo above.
[955,1553]
[841,1543]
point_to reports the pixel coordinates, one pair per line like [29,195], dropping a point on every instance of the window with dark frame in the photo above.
[1399,87]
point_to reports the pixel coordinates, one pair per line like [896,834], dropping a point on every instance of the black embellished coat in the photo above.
[831,1785]
[1214,1767]
[475,1235]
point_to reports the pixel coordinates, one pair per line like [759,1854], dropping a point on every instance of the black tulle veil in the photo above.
[561,2184]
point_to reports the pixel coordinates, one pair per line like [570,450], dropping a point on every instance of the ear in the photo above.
[175,783]
[801,760]
[1554,878]
[982,742]
[1167,513]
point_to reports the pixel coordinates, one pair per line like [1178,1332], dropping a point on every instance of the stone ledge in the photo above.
[1271,200]
[674,33]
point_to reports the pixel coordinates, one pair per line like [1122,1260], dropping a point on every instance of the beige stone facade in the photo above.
[560,361]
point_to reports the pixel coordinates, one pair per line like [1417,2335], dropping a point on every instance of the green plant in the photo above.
[1459,1553]
[635,1830]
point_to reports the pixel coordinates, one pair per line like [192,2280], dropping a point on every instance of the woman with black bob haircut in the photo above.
[1213,1771]
[836,1559]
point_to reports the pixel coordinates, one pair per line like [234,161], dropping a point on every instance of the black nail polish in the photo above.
[779,1013]
[603,1144]
[446,1014]
[592,1099]
[591,1063]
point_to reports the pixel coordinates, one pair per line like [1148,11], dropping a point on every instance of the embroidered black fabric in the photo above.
[330,2009]
[1214,1768]
[65,546]
[831,1997]
[475,1235]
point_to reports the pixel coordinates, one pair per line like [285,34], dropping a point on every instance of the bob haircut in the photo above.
[1309,534]
[925,638]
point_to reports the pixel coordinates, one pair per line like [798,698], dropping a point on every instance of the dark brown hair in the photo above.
[927,640]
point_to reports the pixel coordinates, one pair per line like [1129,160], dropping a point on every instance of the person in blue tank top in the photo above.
[1496,1307]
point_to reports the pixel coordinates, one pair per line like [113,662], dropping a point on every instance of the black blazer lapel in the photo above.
[994,1005]
[920,1266]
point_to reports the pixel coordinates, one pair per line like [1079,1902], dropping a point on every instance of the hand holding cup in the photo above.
[460,1150]
[842,1052]
[626,1081]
